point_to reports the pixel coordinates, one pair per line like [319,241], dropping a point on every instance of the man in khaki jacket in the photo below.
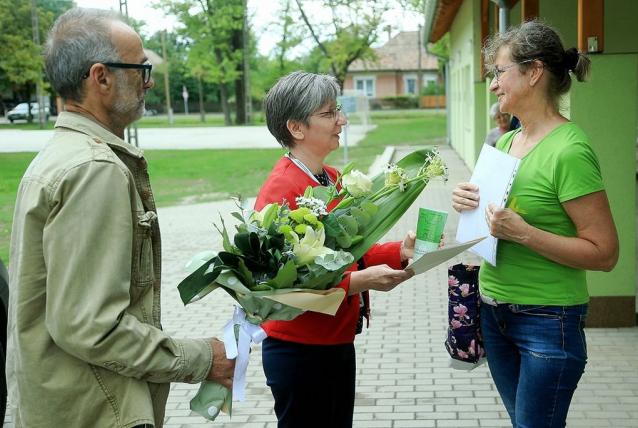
[86,346]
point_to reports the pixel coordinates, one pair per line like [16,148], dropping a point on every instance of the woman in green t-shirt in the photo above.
[556,225]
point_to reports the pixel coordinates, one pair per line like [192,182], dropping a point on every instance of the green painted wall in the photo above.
[562,15]
[621,35]
[607,109]
[462,72]
[480,112]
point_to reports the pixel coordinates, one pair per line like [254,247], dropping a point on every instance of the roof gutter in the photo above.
[429,9]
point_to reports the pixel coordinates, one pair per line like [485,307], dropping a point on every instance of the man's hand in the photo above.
[222,369]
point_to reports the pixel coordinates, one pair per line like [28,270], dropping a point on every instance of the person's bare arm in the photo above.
[595,246]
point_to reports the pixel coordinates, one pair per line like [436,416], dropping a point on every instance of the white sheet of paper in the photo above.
[494,173]
[436,257]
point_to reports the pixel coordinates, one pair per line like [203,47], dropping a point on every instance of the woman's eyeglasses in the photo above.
[332,114]
[496,72]
[146,69]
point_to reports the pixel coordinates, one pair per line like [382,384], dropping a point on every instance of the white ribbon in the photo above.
[239,347]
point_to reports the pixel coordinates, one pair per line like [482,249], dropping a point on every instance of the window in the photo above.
[365,85]
[410,86]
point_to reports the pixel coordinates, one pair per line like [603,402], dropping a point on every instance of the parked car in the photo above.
[21,112]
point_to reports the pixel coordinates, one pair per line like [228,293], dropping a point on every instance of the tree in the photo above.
[353,28]
[214,29]
[21,64]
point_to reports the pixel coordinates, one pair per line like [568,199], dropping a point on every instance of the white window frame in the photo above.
[364,79]
[407,77]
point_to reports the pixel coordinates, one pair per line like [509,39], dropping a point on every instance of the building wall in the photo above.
[610,118]
[620,27]
[389,84]
[467,88]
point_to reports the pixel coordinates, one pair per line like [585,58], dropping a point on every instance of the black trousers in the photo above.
[313,385]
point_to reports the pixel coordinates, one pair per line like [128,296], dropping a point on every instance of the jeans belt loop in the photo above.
[489,301]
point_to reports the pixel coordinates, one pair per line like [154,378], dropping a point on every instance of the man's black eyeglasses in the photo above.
[146,69]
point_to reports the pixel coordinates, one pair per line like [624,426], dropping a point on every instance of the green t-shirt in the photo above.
[561,167]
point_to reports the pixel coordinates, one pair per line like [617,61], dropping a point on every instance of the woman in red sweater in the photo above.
[309,362]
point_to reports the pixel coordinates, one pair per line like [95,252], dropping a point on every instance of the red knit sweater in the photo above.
[285,182]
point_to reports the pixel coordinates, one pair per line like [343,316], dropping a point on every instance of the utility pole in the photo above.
[167,88]
[35,27]
[131,131]
[419,73]
[248,103]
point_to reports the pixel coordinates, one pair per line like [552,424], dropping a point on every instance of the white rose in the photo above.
[356,183]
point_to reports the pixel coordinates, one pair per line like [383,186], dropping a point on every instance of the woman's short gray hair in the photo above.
[78,39]
[296,97]
[535,40]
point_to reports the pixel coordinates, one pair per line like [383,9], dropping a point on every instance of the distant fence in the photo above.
[432,101]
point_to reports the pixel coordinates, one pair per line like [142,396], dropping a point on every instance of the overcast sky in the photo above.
[263,13]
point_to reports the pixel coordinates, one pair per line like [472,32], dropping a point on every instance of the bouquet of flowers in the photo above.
[282,262]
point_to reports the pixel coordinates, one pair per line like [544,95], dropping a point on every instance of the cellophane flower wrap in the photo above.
[282,262]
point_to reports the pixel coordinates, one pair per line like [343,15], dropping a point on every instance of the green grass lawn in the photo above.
[191,176]
[407,128]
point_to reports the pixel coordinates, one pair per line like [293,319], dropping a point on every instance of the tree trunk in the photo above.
[237,44]
[29,112]
[223,96]
[202,113]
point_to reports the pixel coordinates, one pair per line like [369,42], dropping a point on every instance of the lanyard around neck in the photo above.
[307,170]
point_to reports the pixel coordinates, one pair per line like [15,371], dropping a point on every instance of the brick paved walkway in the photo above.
[403,379]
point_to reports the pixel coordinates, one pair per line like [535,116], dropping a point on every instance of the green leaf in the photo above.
[344,241]
[346,169]
[335,261]
[242,242]
[357,239]
[362,217]
[331,225]
[197,284]
[370,208]
[309,192]
[323,193]
[286,276]
[238,216]
[345,203]
[270,215]
[349,224]
[225,239]
[246,275]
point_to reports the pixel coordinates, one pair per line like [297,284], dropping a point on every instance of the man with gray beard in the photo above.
[86,346]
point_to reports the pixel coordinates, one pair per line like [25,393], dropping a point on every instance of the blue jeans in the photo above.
[536,356]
